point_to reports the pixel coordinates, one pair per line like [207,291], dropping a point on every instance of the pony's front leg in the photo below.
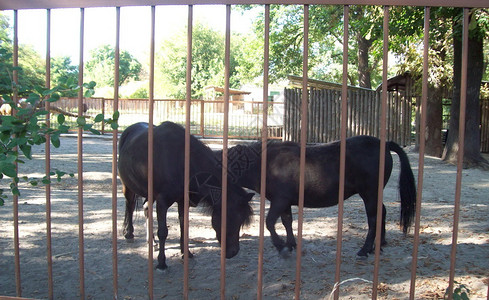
[182,223]
[161,211]
[286,217]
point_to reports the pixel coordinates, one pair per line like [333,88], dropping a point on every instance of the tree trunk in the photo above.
[434,112]
[472,155]
[364,78]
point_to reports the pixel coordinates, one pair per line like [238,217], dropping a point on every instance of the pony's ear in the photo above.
[250,196]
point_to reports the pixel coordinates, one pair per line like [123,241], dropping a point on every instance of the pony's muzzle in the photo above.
[232,251]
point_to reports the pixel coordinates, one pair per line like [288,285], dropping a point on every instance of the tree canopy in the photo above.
[207,61]
[100,66]
[31,66]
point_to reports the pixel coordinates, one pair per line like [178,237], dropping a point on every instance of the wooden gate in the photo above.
[324,107]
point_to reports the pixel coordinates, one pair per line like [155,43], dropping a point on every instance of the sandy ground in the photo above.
[319,244]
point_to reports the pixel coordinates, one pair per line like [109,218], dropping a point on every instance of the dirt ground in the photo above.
[319,244]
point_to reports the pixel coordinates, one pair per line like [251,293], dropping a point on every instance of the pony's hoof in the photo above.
[190,255]
[285,252]
[130,240]
[362,254]
[362,258]
[161,268]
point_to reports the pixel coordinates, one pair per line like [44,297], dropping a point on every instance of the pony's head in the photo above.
[239,213]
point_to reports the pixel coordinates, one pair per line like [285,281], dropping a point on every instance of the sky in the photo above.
[100,27]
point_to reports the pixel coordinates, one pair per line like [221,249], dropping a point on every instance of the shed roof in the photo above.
[221,90]
[296,81]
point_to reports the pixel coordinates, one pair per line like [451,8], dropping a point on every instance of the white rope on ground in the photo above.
[336,285]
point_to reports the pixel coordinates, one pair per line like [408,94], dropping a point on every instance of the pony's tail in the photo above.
[407,188]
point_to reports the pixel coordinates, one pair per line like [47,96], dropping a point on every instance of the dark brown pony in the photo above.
[205,173]
[322,181]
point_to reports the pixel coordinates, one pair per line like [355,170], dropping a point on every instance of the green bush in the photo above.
[28,126]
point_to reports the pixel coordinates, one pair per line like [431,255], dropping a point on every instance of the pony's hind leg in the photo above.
[182,224]
[128,228]
[271,219]
[161,212]
[371,210]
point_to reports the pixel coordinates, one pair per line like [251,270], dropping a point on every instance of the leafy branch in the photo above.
[28,126]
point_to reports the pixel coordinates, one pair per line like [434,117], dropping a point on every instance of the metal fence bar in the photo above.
[264,133]
[460,153]
[150,154]
[383,130]
[115,107]
[343,130]
[81,258]
[224,211]
[15,197]
[188,105]
[422,144]
[47,160]
[302,164]
[344,112]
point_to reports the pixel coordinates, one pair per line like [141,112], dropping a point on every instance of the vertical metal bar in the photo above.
[81,259]
[15,197]
[47,160]
[264,134]
[382,153]
[460,153]
[103,110]
[150,152]
[422,144]
[187,154]
[114,152]
[344,116]
[227,54]
[202,120]
[302,152]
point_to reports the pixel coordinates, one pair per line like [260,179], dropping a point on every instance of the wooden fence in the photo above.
[206,116]
[324,109]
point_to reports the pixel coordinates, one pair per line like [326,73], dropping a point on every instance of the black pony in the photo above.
[322,181]
[205,173]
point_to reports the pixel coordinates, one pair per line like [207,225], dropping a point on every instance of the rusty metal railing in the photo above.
[57,4]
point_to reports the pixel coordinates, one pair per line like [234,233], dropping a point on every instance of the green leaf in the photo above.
[61,119]
[81,121]
[54,97]
[15,191]
[114,126]
[115,116]
[63,128]
[60,173]
[26,149]
[8,169]
[55,141]
[95,131]
[98,118]
[33,99]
